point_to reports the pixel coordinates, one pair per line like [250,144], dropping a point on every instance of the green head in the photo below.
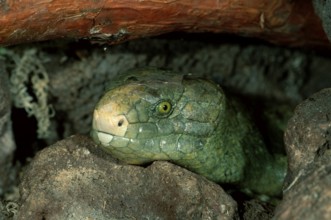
[150,115]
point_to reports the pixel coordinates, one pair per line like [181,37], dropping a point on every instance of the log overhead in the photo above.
[284,22]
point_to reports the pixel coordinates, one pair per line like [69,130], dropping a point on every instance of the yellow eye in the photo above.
[163,108]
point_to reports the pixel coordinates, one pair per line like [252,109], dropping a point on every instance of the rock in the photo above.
[308,134]
[307,194]
[322,9]
[7,144]
[73,179]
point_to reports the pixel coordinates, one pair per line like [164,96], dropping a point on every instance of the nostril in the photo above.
[120,123]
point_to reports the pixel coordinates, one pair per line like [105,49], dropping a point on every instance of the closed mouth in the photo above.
[104,138]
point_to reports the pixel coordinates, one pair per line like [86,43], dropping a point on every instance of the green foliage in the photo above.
[29,86]
[8,209]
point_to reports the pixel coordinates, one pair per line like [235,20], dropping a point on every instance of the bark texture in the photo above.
[284,22]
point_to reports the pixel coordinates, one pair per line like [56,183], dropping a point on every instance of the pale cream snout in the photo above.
[108,119]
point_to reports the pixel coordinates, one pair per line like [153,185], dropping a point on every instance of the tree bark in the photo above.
[285,22]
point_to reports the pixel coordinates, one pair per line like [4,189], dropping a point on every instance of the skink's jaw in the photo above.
[104,138]
[101,138]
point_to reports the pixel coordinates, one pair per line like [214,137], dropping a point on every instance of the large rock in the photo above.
[307,194]
[73,179]
[308,133]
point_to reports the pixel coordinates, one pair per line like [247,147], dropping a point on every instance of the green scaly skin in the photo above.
[200,130]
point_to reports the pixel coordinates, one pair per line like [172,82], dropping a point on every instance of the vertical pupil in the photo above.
[165,107]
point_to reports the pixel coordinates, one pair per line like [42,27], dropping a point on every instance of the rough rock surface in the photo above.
[7,145]
[323,9]
[73,179]
[307,194]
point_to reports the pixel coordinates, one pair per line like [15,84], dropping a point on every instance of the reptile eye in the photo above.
[163,108]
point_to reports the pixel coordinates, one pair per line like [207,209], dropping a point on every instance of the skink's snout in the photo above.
[107,119]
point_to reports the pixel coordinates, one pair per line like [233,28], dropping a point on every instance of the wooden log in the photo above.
[285,22]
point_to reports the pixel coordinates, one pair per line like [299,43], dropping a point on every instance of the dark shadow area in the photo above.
[25,134]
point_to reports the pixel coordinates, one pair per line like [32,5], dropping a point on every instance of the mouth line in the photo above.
[104,138]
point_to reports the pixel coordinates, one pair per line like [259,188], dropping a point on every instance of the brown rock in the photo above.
[308,140]
[308,134]
[73,179]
